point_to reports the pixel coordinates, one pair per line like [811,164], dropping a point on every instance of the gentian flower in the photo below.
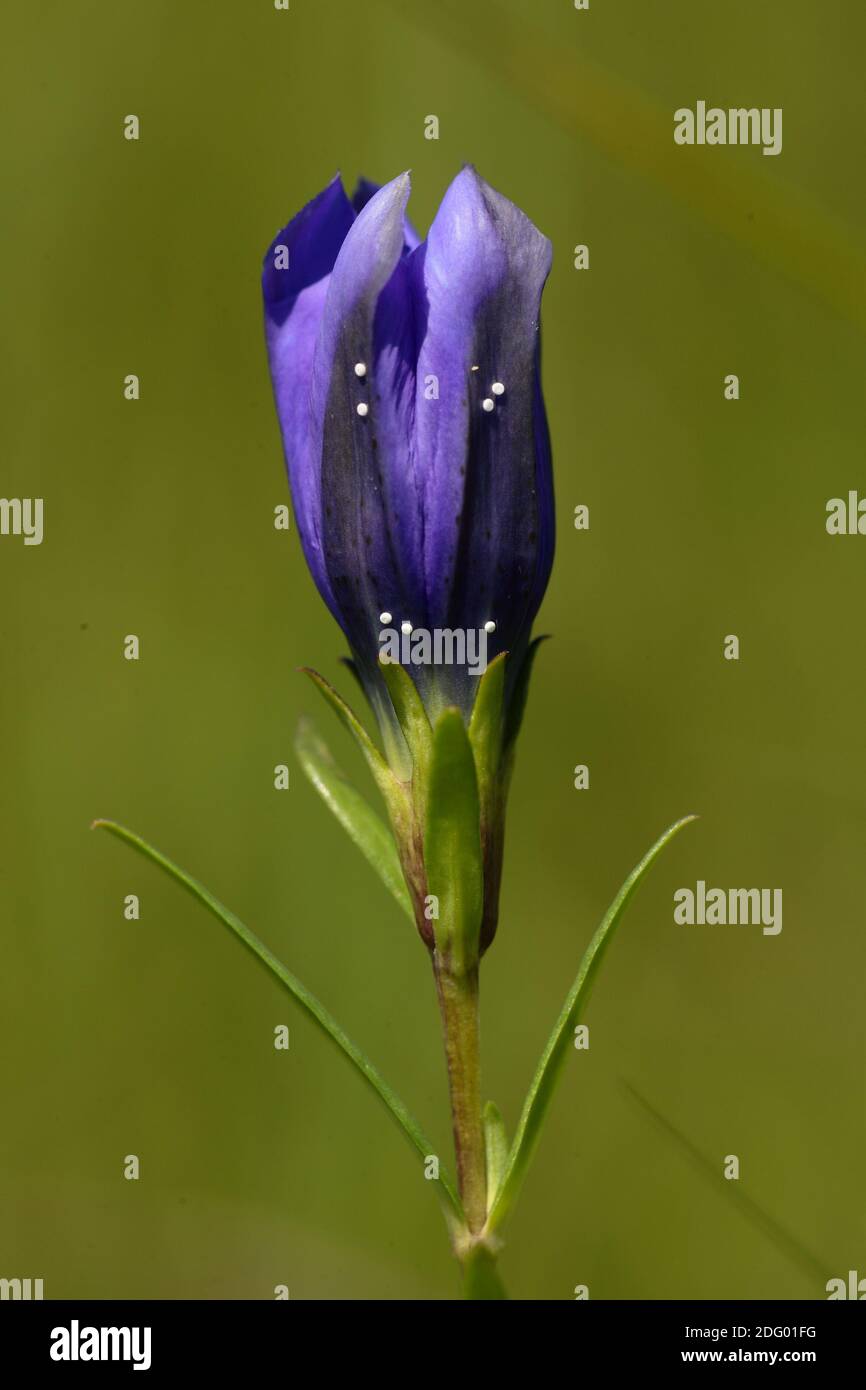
[407,387]
[406,377]
[406,380]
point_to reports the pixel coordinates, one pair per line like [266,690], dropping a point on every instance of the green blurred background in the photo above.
[707,517]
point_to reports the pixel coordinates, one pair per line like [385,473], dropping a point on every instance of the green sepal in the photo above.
[452,844]
[517,703]
[495,1148]
[376,763]
[486,723]
[411,716]
[357,817]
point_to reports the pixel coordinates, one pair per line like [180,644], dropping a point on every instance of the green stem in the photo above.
[481,1279]
[458,1005]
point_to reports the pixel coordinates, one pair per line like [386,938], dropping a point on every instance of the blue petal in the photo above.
[364,190]
[488,493]
[312,239]
[370,507]
[294,301]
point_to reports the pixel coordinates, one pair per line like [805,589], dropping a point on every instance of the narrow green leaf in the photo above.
[375,761]
[329,1025]
[486,724]
[452,843]
[550,1065]
[357,817]
[496,1150]
[481,1277]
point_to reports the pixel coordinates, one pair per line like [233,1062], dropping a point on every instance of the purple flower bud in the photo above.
[406,378]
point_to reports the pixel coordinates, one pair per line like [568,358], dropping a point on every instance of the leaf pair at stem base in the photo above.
[505,1167]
